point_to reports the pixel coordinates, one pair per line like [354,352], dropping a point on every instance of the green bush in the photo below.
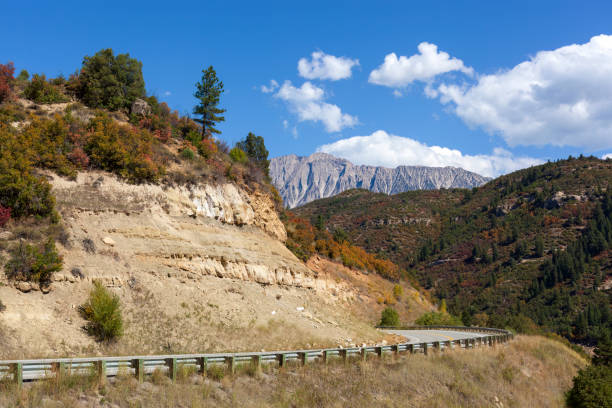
[103,312]
[187,154]
[40,90]
[593,385]
[20,190]
[438,319]
[109,81]
[238,155]
[30,263]
[389,317]
[592,388]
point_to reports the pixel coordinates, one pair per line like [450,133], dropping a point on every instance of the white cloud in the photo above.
[383,149]
[325,66]
[271,88]
[308,103]
[559,97]
[167,93]
[606,156]
[285,124]
[294,132]
[429,62]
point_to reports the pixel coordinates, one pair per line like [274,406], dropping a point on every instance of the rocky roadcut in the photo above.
[196,268]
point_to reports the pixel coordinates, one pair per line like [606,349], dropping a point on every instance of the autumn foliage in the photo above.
[5,215]
[304,240]
[6,81]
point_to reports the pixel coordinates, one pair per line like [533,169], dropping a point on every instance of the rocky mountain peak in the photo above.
[302,179]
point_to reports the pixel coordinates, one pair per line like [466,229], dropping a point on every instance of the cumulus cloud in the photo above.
[308,103]
[325,66]
[606,156]
[271,88]
[383,149]
[429,62]
[559,97]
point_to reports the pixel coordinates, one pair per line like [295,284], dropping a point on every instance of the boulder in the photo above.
[25,287]
[140,107]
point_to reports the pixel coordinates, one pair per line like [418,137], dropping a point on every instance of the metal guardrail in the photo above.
[18,371]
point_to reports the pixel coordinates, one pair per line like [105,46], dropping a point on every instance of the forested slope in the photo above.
[530,249]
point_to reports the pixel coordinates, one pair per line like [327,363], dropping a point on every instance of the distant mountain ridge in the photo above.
[301,180]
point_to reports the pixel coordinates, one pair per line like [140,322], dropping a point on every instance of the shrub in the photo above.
[33,264]
[187,154]
[6,81]
[438,319]
[593,385]
[21,191]
[5,215]
[50,145]
[238,155]
[109,81]
[592,388]
[389,317]
[40,90]
[122,149]
[398,291]
[103,312]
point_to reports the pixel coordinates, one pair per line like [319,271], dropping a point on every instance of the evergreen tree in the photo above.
[255,148]
[208,92]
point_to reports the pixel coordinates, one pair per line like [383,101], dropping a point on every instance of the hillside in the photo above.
[100,184]
[531,246]
[300,180]
[530,371]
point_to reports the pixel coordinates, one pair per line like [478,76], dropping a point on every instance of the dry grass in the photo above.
[528,372]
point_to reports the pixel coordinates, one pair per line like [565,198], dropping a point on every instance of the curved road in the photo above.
[428,336]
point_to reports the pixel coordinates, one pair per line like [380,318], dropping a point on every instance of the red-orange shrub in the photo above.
[6,81]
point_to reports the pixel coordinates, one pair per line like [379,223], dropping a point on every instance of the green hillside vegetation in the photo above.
[88,122]
[529,250]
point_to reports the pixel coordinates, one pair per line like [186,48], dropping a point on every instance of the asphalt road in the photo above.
[428,336]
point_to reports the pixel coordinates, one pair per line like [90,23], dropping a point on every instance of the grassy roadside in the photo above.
[529,371]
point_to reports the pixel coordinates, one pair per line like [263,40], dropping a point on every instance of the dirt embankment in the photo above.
[197,269]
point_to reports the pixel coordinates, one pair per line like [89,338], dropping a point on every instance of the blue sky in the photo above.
[461,90]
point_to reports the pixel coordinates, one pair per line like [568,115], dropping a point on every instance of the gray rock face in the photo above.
[301,180]
[141,107]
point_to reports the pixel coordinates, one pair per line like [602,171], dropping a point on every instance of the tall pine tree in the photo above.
[208,92]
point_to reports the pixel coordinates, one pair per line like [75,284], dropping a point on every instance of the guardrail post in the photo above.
[303,357]
[411,348]
[231,364]
[364,354]
[425,347]
[379,351]
[100,367]
[395,350]
[172,368]
[325,356]
[436,346]
[17,369]
[256,362]
[282,360]
[343,355]
[138,365]
[203,365]
[60,370]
